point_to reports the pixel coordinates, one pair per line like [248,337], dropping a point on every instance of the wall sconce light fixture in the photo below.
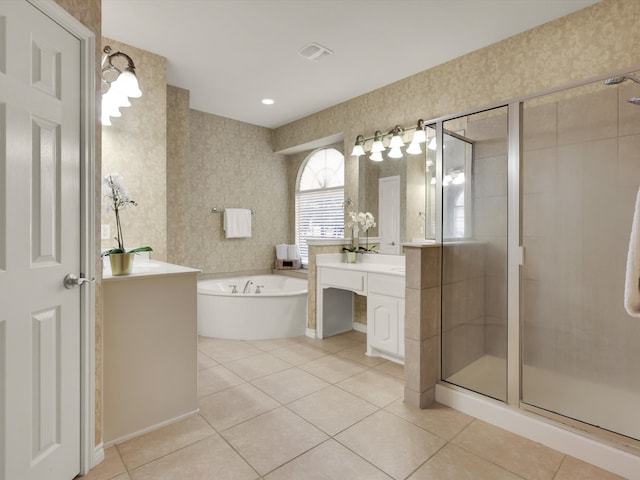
[396,142]
[121,83]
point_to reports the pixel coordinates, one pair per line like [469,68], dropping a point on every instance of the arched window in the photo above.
[320,198]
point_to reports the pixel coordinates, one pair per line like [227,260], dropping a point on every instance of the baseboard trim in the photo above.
[98,455]
[310,332]
[360,327]
[540,430]
[166,423]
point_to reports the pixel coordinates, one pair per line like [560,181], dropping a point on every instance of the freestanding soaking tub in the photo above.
[277,310]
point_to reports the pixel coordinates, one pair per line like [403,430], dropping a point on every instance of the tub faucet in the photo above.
[258,287]
[247,287]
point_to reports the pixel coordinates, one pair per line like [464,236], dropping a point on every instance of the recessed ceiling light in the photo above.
[268,101]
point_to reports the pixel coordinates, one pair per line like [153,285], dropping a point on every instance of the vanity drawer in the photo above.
[345,279]
[390,285]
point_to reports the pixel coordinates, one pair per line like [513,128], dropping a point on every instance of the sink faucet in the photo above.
[235,288]
[247,287]
[258,287]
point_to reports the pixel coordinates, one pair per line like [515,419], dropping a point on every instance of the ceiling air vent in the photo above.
[315,52]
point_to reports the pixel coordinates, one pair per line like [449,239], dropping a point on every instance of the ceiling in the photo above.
[231,54]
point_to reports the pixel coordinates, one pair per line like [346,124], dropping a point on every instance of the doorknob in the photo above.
[392,243]
[71,281]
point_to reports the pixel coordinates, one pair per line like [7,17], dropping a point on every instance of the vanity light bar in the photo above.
[395,142]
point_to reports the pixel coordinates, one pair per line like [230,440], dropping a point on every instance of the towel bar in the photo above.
[221,210]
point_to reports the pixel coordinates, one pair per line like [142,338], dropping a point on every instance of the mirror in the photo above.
[417,194]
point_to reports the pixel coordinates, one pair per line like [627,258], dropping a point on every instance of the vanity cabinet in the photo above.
[385,317]
[384,286]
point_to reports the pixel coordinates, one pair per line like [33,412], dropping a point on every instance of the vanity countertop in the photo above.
[370,263]
[148,268]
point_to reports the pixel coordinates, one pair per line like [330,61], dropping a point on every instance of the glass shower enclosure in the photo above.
[474,252]
[580,176]
[533,205]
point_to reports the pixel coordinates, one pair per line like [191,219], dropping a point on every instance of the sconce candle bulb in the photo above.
[395,152]
[119,90]
[396,138]
[377,146]
[358,148]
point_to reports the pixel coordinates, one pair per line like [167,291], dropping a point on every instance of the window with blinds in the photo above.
[320,199]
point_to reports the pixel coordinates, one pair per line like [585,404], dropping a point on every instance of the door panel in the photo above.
[383,317]
[45,210]
[389,214]
[39,245]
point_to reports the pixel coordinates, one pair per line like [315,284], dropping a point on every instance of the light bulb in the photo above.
[127,84]
[109,108]
[414,148]
[396,141]
[377,146]
[375,156]
[419,136]
[395,152]
[117,98]
[433,144]
[105,120]
[357,150]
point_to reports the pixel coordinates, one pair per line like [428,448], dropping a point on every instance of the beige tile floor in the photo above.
[302,409]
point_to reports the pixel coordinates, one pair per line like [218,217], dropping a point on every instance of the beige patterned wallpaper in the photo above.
[232,166]
[135,146]
[594,41]
[178,149]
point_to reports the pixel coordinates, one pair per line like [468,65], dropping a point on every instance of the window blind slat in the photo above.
[319,214]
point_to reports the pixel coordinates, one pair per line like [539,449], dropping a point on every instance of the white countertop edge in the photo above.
[149,268]
[369,262]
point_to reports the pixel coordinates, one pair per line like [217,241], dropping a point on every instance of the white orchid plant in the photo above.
[360,221]
[118,201]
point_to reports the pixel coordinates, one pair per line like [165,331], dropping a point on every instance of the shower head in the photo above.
[617,80]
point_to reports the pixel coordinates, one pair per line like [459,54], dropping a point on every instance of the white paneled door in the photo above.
[39,245]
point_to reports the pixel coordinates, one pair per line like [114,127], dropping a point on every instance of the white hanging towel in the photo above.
[632,281]
[237,222]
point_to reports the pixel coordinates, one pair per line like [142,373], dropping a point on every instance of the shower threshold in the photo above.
[602,406]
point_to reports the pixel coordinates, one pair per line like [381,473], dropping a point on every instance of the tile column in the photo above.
[422,324]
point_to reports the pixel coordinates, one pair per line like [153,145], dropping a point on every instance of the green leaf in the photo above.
[140,249]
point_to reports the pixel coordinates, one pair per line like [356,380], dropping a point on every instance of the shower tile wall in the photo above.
[463,305]
[490,221]
[581,175]
[474,315]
